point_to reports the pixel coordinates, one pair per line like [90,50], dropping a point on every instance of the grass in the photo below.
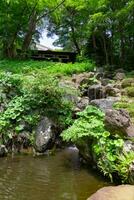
[28,67]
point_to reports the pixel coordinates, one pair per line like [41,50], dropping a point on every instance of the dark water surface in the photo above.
[57,177]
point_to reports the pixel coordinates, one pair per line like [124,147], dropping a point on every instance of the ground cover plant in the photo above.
[29,90]
[104,148]
[26,67]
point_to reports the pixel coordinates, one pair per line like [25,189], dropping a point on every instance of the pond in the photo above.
[55,177]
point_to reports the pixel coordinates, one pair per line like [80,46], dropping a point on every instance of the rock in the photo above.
[118,121]
[3,151]
[118,85]
[84,150]
[112,91]
[128,146]
[67,84]
[103,104]
[45,135]
[130,131]
[128,82]
[119,70]
[122,192]
[119,76]
[130,91]
[24,139]
[100,75]
[79,79]
[96,92]
[76,110]
[131,173]
[105,81]
[123,92]
[83,103]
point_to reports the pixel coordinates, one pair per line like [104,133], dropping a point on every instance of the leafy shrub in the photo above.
[89,124]
[105,148]
[9,86]
[34,96]
[123,167]
[28,67]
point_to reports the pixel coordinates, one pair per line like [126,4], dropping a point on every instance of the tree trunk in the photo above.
[105,49]
[9,51]
[30,32]
[122,45]
[122,50]
[74,40]
[9,47]
[94,42]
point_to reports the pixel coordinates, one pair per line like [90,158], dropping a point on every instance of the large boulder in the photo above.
[45,135]
[128,146]
[105,81]
[128,82]
[111,90]
[3,151]
[96,92]
[104,104]
[83,103]
[119,76]
[118,122]
[122,192]
[130,130]
[82,78]
[24,139]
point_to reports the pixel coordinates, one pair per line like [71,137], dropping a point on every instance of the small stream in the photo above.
[57,177]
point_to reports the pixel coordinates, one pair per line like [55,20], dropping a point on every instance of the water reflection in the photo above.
[58,177]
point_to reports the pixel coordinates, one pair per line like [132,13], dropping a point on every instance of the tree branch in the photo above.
[51,11]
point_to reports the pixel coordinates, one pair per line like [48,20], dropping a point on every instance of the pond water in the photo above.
[57,177]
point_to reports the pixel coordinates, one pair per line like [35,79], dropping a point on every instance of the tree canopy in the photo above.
[99,29]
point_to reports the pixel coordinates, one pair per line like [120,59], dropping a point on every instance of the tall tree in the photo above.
[19,21]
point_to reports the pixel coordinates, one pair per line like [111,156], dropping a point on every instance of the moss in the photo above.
[128,106]
[130,91]
[128,82]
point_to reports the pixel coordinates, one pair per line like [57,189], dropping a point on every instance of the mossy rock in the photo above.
[130,91]
[128,106]
[128,82]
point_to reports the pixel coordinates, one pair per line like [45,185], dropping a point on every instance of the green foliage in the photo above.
[128,82]
[29,90]
[19,20]
[123,167]
[130,91]
[9,86]
[105,149]
[26,98]
[128,106]
[98,29]
[89,124]
[34,67]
